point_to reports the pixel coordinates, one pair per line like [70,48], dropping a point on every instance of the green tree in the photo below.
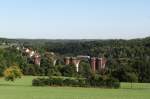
[132,77]
[69,71]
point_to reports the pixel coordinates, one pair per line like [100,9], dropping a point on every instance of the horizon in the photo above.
[74,38]
[79,38]
[68,19]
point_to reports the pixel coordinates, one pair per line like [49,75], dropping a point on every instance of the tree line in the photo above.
[127,60]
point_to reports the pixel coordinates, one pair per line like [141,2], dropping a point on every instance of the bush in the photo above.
[112,83]
[12,73]
[100,81]
[94,81]
[58,81]
[40,82]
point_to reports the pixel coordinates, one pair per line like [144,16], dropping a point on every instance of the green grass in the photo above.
[135,85]
[22,89]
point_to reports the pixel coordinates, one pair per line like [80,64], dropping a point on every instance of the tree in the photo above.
[47,64]
[69,71]
[85,69]
[12,73]
[132,77]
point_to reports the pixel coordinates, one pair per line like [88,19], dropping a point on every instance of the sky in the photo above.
[75,19]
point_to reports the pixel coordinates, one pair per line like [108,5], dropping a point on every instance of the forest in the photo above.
[127,60]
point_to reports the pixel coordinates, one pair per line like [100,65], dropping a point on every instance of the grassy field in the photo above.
[22,89]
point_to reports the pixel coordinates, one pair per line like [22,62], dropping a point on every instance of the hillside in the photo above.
[125,58]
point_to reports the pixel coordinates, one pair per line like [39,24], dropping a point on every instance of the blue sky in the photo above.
[75,19]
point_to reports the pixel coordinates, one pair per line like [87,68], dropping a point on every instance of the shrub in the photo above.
[100,81]
[112,83]
[12,73]
[94,81]
[40,82]
[57,81]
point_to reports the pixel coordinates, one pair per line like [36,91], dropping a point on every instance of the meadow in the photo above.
[23,89]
